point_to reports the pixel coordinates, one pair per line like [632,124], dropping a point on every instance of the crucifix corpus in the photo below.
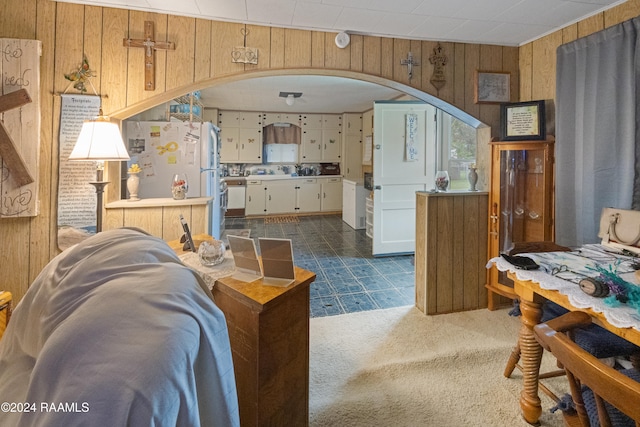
[150,46]
[8,150]
[409,62]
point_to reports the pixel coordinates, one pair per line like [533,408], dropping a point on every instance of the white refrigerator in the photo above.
[165,148]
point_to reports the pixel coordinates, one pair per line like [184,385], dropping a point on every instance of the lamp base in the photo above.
[99,185]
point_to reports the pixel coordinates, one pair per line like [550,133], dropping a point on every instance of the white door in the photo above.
[396,178]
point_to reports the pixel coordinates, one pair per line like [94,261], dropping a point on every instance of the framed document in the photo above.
[522,121]
[492,87]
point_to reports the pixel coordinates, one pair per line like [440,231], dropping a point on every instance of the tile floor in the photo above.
[348,277]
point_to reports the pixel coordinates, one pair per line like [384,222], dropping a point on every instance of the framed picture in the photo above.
[492,87]
[522,121]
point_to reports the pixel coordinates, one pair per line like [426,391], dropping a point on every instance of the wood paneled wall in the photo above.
[202,56]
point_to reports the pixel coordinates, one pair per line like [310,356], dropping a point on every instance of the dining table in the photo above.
[558,280]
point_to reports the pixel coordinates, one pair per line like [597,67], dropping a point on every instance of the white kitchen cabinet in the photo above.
[281,197]
[270,197]
[240,145]
[321,145]
[331,199]
[352,160]
[308,193]
[352,146]
[241,135]
[229,119]
[311,148]
[256,197]
[352,124]
[271,118]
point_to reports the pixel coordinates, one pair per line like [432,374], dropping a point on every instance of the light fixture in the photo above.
[290,97]
[99,141]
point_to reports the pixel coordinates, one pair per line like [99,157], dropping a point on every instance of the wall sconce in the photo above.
[99,141]
[290,97]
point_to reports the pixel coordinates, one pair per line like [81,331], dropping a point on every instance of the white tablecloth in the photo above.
[623,316]
[210,274]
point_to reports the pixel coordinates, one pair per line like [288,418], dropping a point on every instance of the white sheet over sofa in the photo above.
[116,331]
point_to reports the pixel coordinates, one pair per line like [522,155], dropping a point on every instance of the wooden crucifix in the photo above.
[8,150]
[150,46]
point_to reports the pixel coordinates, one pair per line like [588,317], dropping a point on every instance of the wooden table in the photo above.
[531,298]
[269,335]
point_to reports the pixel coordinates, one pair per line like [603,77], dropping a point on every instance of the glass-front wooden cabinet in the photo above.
[520,205]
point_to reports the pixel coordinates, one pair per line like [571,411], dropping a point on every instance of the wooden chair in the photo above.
[604,383]
[6,300]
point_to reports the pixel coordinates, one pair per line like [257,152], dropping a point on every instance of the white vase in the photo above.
[133,182]
[473,178]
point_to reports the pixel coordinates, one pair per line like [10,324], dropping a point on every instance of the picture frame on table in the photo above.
[523,121]
[492,87]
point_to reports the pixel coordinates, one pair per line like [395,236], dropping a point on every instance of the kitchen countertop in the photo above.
[285,177]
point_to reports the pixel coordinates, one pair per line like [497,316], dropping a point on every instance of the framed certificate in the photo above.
[522,121]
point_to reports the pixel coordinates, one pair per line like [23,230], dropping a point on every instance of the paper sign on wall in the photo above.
[411,149]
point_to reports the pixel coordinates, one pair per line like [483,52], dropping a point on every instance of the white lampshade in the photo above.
[99,139]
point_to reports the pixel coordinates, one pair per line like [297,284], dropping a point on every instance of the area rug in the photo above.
[280,219]
[398,367]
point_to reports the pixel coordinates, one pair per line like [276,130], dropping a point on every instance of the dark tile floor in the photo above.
[348,277]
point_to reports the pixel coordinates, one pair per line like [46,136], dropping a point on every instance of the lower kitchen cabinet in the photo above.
[308,193]
[302,195]
[256,197]
[331,194]
[281,197]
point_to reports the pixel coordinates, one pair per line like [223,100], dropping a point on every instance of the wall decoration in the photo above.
[492,87]
[410,63]
[244,54]
[81,76]
[20,127]
[439,60]
[150,46]
[523,121]
[76,197]
[411,149]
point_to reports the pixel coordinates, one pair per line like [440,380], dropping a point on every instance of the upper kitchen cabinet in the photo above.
[321,138]
[241,135]
[271,118]
[352,146]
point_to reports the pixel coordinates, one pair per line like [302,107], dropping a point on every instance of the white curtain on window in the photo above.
[597,129]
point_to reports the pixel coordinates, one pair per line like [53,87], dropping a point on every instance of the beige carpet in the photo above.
[398,367]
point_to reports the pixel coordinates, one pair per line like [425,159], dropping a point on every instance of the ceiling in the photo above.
[500,22]
[320,94]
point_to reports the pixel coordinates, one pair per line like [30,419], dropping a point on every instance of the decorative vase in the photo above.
[179,186]
[133,182]
[442,181]
[211,253]
[473,178]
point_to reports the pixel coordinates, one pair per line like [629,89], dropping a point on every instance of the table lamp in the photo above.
[99,140]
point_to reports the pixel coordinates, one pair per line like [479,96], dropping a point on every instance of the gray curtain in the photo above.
[597,129]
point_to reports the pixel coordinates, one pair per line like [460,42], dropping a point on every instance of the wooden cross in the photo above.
[150,46]
[8,150]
